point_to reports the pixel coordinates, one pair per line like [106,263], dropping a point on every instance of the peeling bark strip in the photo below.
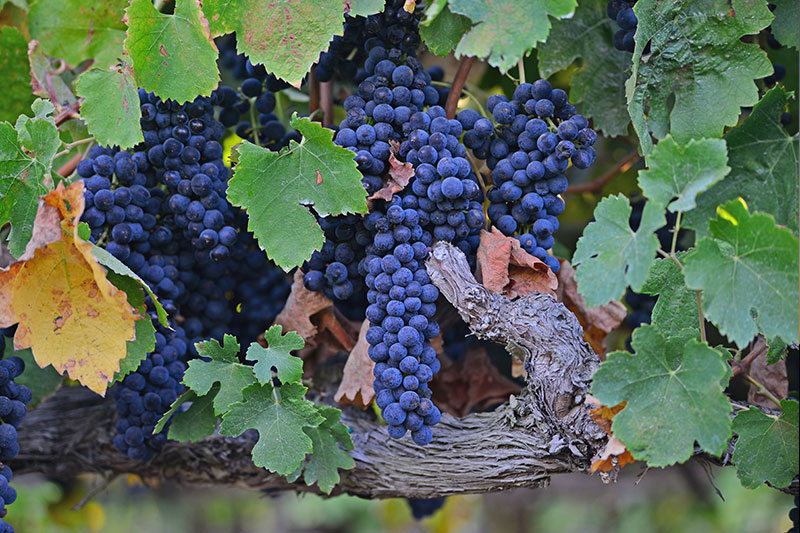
[537,330]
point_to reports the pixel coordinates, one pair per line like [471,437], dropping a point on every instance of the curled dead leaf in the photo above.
[356,385]
[613,454]
[505,268]
[399,175]
[597,322]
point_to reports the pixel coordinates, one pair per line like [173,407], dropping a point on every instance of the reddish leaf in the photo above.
[356,386]
[613,454]
[472,383]
[300,306]
[507,269]
[399,175]
[597,322]
[773,377]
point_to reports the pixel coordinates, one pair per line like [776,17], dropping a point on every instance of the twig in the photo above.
[759,348]
[675,231]
[313,92]
[94,491]
[521,69]
[762,390]
[254,122]
[326,101]
[623,165]
[68,113]
[70,166]
[458,85]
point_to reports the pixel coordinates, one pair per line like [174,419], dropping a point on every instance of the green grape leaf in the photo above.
[767,447]
[784,27]
[15,83]
[442,31]
[198,421]
[673,389]
[111,106]
[173,55]
[505,30]
[275,189]
[24,174]
[328,456]
[776,350]
[289,367]
[188,396]
[22,4]
[676,307]
[610,255]
[599,81]
[118,270]
[763,159]
[363,8]
[280,416]
[749,264]
[695,54]
[683,172]
[223,368]
[45,83]
[76,30]
[286,36]
[43,382]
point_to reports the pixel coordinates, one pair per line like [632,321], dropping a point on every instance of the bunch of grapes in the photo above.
[621,11]
[13,399]
[537,135]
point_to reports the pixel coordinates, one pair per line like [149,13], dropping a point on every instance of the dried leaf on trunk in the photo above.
[505,268]
[356,386]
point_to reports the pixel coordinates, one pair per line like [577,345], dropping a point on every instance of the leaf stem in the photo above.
[762,390]
[79,142]
[700,316]
[675,231]
[595,185]
[521,69]
[253,122]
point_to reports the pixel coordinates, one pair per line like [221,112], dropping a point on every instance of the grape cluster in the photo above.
[146,394]
[402,306]
[13,399]
[394,27]
[334,268]
[538,134]
[621,11]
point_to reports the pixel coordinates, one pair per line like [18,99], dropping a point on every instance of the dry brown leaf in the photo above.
[399,175]
[597,322]
[472,383]
[505,268]
[300,306]
[356,386]
[614,453]
[773,377]
[69,314]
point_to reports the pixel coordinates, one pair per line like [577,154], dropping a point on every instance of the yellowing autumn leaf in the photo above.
[69,314]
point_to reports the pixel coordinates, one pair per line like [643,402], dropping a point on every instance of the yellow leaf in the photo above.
[69,314]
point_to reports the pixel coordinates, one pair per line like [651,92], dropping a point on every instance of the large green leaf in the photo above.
[505,30]
[599,82]
[749,265]
[223,368]
[275,189]
[280,416]
[610,255]
[286,36]
[785,27]
[672,386]
[676,307]
[198,421]
[443,29]
[363,7]
[23,175]
[111,106]
[767,447]
[15,83]
[328,457]
[173,55]
[289,367]
[683,172]
[76,30]
[763,161]
[695,55]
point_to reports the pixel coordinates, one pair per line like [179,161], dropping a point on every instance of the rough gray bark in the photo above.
[545,431]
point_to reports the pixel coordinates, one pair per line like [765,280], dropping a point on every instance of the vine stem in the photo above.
[326,101]
[595,185]
[675,231]
[700,316]
[762,390]
[253,123]
[521,68]
[313,93]
[458,85]
[468,94]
